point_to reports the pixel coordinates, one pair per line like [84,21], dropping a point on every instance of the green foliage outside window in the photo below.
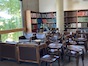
[10,18]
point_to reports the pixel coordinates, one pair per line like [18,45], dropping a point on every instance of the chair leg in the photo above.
[82,56]
[58,62]
[69,58]
[82,59]
[63,60]
[85,44]
[39,64]
[77,60]
[50,64]
[46,63]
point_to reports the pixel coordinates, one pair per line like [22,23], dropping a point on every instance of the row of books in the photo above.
[82,19]
[36,21]
[84,25]
[51,25]
[35,15]
[40,25]
[69,14]
[71,20]
[36,26]
[43,15]
[72,25]
[80,25]
[82,13]
[50,15]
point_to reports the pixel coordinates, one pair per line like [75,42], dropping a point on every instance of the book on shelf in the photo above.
[73,25]
[38,15]
[33,15]
[54,25]
[39,26]
[39,21]
[82,13]
[51,15]
[51,20]
[84,25]
[82,19]
[86,13]
[70,14]
[71,20]
[43,15]
[34,21]
[34,26]
[44,21]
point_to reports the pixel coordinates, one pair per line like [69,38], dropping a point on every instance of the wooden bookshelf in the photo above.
[35,20]
[76,19]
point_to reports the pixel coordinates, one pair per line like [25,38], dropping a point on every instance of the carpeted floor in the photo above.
[71,63]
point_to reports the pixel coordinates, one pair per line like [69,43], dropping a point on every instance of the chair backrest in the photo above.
[40,36]
[28,35]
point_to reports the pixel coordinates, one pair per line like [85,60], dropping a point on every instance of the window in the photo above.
[10,18]
[13,36]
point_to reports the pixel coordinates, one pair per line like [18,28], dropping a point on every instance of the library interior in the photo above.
[43,32]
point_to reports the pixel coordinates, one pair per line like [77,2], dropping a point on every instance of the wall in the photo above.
[75,4]
[47,5]
[32,5]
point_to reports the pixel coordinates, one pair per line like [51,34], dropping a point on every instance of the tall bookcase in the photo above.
[37,20]
[76,19]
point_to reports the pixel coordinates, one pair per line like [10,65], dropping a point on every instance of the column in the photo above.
[60,15]
[22,14]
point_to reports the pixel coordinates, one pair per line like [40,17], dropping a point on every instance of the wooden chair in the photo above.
[73,51]
[26,37]
[81,39]
[51,57]
[41,36]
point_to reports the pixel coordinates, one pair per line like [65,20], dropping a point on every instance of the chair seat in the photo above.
[73,52]
[81,42]
[49,58]
[76,48]
[53,50]
[72,42]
